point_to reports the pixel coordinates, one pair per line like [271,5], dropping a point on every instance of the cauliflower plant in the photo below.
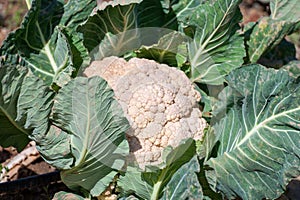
[159,102]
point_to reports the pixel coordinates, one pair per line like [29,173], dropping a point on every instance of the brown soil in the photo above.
[25,182]
[253,10]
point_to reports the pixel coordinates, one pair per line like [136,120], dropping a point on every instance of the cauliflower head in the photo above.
[159,102]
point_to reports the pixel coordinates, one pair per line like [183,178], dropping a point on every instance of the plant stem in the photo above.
[156,189]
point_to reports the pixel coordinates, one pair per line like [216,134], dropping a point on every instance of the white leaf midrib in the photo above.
[256,128]
[201,49]
[47,49]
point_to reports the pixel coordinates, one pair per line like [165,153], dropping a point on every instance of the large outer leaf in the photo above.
[270,31]
[166,50]
[114,20]
[259,136]
[287,10]
[11,132]
[123,26]
[49,60]
[85,108]
[184,183]
[33,35]
[133,39]
[25,105]
[34,106]
[42,46]
[133,182]
[117,45]
[76,12]
[151,183]
[184,8]
[217,48]
[54,147]
[293,68]
[80,55]
[150,13]
[31,40]
[266,35]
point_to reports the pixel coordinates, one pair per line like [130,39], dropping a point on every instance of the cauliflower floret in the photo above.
[159,102]
[112,69]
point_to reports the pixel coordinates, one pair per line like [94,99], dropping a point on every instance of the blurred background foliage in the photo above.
[11,15]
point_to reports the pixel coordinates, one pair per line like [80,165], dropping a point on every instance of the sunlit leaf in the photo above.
[266,35]
[166,50]
[184,183]
[259,149]
[287,10]
[85,109]
[115,20]
[217,47]
[41,44]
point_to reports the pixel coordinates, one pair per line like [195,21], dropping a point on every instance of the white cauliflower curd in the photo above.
[159,101]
